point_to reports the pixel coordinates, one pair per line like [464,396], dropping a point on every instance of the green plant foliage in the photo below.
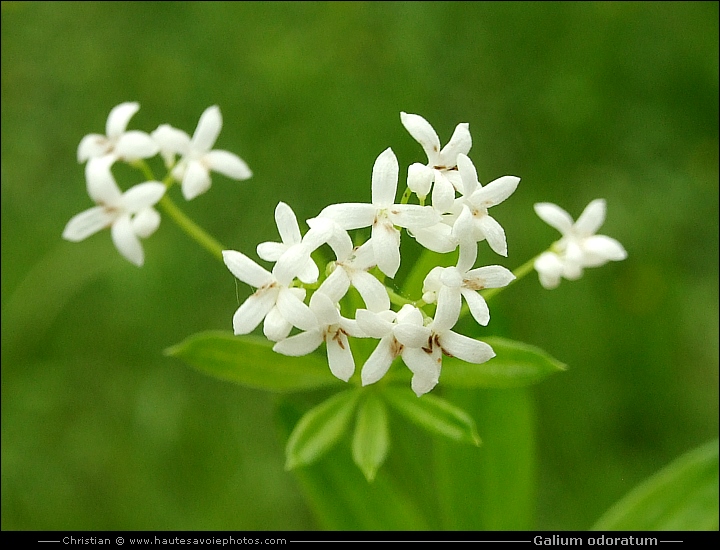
[515,364]
[372,438]
[251,362]
[681,497]
[320,428]
[434,414]
[341,497]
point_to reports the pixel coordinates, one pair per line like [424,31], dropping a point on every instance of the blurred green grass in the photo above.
[581,100]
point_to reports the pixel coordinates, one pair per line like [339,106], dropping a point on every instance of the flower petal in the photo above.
[372,324]
[460,143]
[413,216]
[494,192]
[207,130]
[276,327]
[467,349]
[424,134]
[443,193]
[340,358]
[136,145]
[385,178]
[253,310]
[448,308]
[146,222]
[270,251]
[555,216]
[300,344]
[324,309]
[142,196]
[591,219]
[413,336]
[386,247]
[336,285]
[126,241]
[246,270]
[350,215]
[490,276]
[493,232]
[91,146]
[478,306]
[437,238]
[287,224]
[119,117]
[87,223]
[379,361]
[372,291]
[196,180]
[295,311]
[228,164]
[468,175]
[425,367]
[419,179]
[600,248]
[171,140]
[101,184]
[549,268]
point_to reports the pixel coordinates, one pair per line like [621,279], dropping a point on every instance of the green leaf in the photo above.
[320,428]
[433,414]
[515,364]
[371,439]
[489,488]
[251,362]
[340,495]
[681,497]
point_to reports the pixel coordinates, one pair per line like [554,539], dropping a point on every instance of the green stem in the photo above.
[398,300]
[191,228]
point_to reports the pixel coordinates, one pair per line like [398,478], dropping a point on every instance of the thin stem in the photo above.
[191,228]
[398,300]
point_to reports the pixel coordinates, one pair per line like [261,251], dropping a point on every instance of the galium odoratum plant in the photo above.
[378,333]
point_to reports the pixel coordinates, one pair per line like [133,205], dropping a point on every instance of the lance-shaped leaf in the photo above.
[433,414]
[515,364]
[681,497]
[371,439]
[319,429]
[251,362]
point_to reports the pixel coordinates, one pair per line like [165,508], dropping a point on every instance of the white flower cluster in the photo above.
[130,215]
[457,217]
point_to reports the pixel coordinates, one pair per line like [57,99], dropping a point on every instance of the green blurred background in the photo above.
[581,100]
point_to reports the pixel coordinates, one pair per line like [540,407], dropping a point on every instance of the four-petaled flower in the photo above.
[579,247]
[193,169]
[129,215]
[118,142]
[331,328]
[441,167]
[383,214]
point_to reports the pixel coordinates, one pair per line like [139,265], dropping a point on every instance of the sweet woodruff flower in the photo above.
[383,214]
[441,167]
[274,301]
[402,334]
[129,215]
[198,158]
[476,200]
[579,247]
[330,327]
[122,144]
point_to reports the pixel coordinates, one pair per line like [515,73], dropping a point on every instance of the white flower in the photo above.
[121,144]
[447,285]
[383,214]
[403,334]
[443,340]
[476,200]
[290,234]
[193,169]
[330,327]
[579,247]
[129,215]
[351,268]
[282,307]
[442,164]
